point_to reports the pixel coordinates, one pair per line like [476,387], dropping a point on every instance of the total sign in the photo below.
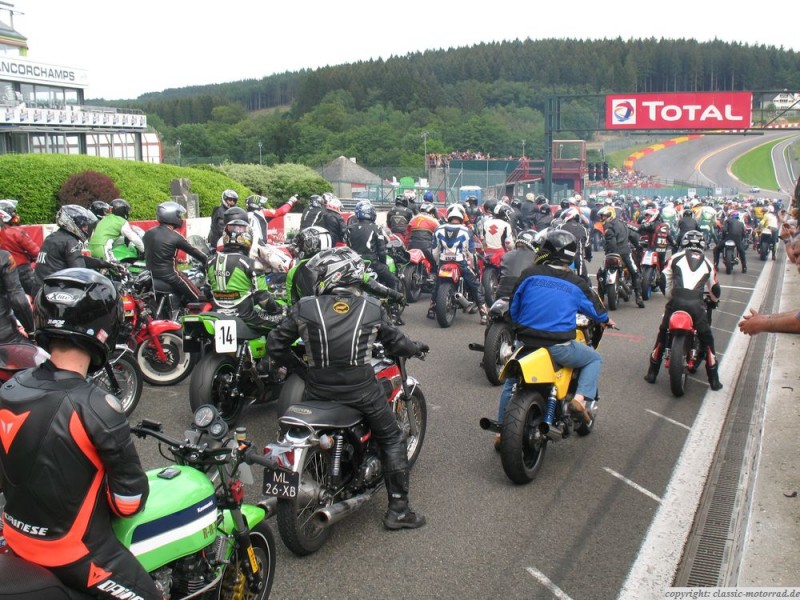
[701,110]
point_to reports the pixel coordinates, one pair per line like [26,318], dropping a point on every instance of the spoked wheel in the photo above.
[415,408]
[490,281]
[298,530]
[264,552]
[678,373]
[497,349]
[413,276]
[446,304]
[128,376]
[212,383]
[522,444]
[176,365]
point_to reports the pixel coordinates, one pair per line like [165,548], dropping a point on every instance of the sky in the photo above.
[137,46]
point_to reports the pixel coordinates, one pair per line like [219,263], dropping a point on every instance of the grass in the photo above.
[755,167]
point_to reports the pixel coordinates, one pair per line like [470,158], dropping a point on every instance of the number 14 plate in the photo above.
[282,484]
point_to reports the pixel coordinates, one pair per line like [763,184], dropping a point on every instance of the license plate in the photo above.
[225,336]
[282,484]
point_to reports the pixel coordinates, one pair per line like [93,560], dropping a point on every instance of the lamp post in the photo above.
[259,152]
[523,148]
[425,146]
[178,144]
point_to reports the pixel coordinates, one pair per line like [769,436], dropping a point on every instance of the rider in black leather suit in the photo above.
[63,248]
[13,303]
[339,326]
[67,461]
[162,243]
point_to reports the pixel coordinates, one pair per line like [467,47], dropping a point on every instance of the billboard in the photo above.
[699,110]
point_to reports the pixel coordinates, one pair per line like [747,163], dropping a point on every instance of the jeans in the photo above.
[471,284]
[587,359]
[505,396]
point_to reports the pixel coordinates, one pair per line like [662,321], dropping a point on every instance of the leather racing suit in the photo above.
[161,244]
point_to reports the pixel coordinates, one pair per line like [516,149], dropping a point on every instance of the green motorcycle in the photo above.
[234,370]
[195,535]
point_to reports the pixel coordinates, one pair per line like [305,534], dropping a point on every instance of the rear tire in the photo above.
[611,291]
[446,304]
[647,281]
[522,445]
[489,282]
[677,364]
[298,532]
[211,383]
[497,348]
[413,275]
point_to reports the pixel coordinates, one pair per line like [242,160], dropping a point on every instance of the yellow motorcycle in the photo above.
[539,410]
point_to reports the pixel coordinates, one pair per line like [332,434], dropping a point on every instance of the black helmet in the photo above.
[121,208]
[81,306]
[516,203]
[541,199]
[312,240]
[693,239]
[558,248]
[234,213]
[526,239]
[401,201]
[98,208]
[490,205]
[336,268]
[315,201]
[687,212]
[170,213]
[238,233]
[255,202]
[229,198]
[76,220]
[544,209]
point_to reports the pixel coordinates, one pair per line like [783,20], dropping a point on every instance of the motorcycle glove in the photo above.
[422,349]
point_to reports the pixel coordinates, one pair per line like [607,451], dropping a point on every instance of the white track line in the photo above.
[633,484]
[666,418]
[545,581]
[737,287]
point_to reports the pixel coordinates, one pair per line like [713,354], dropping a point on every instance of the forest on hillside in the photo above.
[489,98]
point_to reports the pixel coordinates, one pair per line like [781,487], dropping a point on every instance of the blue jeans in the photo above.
[505,396]
[587,359]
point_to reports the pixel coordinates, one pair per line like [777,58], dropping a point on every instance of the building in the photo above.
[42,108]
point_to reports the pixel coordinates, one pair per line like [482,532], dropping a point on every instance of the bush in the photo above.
[279,183]
[86,187]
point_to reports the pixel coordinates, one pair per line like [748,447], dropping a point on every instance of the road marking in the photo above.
[628,336]
[633,484]
[737,287]
[722,312]
[666,418]
[736,301]
[700,381]
[545,581]
[721,329]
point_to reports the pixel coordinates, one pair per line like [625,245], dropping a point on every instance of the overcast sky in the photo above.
[137,46]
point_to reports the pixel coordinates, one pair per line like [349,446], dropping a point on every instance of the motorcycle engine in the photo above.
[190,575]
[371,470]
[163,580]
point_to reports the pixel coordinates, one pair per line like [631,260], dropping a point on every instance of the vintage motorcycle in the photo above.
[490,278]
[234,370]
[765,243]
[326,463]
[651,273]
[195,536]
[730,256]
[498,341]
[417,275]
[614,280]
[682,348]
[450,297]
[539,411]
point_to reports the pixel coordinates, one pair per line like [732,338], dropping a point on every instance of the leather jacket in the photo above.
[13,302]
[60,250]
[161,244]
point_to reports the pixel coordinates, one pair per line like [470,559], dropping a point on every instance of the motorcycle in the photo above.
[765,243]
[417,275]
[614,280]
[450,296]
[730,256]
[120,376]
[234,370]
[498,341]
[651,273]
[682,349]
[158,344]
[225,548]
[326,463]
[539,410]
[490,278]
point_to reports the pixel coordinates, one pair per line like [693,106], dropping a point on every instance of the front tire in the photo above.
[178,364]
[677,364]
[211,383]
[446,304]
[129,378]
[419,412]
[522,445]
[298,531]
[264,550]
[497,348]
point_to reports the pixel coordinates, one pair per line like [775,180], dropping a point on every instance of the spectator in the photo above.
[786,322]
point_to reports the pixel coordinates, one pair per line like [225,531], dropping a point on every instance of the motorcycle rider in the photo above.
[99,209]
[332,219]
[528,210]
[420,231]
[161,245]
[17,242]
[67,460]
[689,274]
[617,236]
[110,228]
[496,230]
[544,307]
[399,216]
[770,221]
[338,326]
[228,200]
[64,247]
[453,239]
[687,223]
[733,229]
[312,215]
[308,243]
[573,224]
[474,212]
[544,215]
[237,287]
[14,306]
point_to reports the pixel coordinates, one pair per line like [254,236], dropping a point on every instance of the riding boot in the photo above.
[400,515]
[601,283]
[484,314]
[713,377]
[652,372]
[638,292]
[432,309]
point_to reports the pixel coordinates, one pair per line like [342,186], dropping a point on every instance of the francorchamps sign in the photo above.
[14,68]
[701,110]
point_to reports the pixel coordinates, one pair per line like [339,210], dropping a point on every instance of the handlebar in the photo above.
[251,456]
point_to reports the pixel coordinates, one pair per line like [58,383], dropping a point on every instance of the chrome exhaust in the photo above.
[461,299]
[325,517]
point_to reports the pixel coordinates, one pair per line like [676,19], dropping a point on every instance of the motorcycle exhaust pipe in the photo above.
[491,425]
[325,517]
[553,432]
[461,299]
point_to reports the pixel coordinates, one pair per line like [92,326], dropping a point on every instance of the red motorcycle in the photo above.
[450,297]
[682,348]
[490,278]
[418,275]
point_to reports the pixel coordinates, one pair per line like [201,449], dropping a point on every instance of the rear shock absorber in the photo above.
[550,412]
[336,464]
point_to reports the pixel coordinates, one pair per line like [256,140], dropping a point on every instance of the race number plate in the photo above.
[225,336]
[282,484]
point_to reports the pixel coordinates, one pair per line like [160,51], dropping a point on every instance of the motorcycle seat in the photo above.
[22,579]
[322,413]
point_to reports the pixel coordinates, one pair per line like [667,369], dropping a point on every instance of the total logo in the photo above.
[623,111]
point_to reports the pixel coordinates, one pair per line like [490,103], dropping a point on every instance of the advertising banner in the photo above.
[700,110]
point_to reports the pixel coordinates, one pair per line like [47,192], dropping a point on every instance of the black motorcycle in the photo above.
[498,341]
